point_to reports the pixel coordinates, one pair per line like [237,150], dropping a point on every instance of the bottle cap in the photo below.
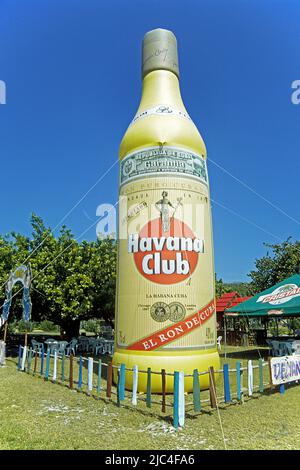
[160,52]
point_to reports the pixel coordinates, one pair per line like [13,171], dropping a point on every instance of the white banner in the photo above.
[285,369]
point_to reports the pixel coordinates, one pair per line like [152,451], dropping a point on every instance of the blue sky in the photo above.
[72,71]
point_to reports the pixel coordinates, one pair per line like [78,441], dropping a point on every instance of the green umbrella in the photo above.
[283,300]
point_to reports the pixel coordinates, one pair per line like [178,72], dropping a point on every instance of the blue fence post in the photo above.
[148,397]
[47,364]
[99,376]
[261,375]
[281,389]
[118,387]
[19,357]
[176,400]
[42,359]
[80,373]
[196,391]
[63,356]
[238,380]
[226,383]
[122,383]
[27,369]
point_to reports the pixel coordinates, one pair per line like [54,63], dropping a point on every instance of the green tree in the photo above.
[71,281]
[220,287]
[242,288]
[282,262]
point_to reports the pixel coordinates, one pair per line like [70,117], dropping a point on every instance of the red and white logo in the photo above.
[165,256]
[281,295]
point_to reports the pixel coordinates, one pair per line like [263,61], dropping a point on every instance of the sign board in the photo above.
[285,369]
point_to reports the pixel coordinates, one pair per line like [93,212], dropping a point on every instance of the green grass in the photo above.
[36,414]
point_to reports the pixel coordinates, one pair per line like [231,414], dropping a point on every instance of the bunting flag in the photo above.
[21,274]
[27,305]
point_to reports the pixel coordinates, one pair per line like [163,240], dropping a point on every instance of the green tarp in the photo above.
[283,299]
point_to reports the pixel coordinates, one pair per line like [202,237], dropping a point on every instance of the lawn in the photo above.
[36,414]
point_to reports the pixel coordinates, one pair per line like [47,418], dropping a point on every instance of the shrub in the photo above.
[91,326]
[47,325]
[24,326]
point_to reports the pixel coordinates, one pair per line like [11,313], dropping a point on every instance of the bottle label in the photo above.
[160,110]
[165,292]
[163,160]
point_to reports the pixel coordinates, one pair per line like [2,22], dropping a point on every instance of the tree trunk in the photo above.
[71,329]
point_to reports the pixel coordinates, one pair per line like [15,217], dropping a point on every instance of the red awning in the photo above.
[228,300]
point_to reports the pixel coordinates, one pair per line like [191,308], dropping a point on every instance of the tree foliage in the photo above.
[71,281]
[220,287]
[242,288]
[282,262]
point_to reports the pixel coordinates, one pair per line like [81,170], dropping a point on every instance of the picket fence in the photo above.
[46,365]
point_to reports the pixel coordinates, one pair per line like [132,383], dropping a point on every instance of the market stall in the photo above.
[281,301]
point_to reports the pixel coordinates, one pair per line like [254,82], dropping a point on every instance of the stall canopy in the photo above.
[283,299]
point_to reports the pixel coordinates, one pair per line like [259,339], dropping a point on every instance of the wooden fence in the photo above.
[87,374]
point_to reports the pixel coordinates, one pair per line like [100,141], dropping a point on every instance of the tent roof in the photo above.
[283,299]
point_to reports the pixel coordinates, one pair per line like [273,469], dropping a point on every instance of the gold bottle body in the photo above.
[165,308]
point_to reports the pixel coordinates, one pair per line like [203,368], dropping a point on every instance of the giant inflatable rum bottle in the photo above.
[165,308]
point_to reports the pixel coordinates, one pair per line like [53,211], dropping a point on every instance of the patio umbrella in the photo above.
[283,299]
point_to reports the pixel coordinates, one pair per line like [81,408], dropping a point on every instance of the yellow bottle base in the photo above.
[181,362]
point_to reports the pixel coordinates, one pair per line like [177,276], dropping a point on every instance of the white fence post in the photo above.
[24,358]
[250,378]
[90,374]
[55,367]
[134,385]
[181,399]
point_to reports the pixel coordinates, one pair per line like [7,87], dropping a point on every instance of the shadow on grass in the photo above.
[253,354]
[105,360]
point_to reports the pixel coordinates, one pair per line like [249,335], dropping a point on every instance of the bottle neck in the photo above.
[161,87]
